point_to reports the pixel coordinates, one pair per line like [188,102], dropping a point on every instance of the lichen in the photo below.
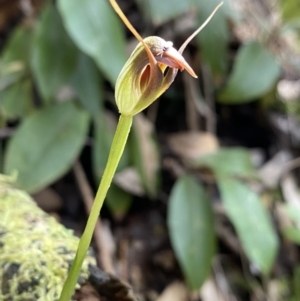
[35,250]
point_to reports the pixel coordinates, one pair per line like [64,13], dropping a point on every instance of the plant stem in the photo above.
[114,157]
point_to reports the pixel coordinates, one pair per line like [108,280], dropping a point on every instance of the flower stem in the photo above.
[114,157]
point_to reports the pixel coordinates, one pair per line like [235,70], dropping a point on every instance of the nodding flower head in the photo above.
[144,76]
[144,79]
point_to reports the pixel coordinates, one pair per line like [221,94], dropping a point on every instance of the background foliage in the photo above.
[58,66]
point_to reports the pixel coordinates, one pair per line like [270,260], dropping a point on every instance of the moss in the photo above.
[35,250]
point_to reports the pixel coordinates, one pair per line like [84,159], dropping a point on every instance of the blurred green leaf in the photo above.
[54,56]
[255,72]
[292,234]
[251,221]
[1,151]
[16,100]
[296,283]
[18,47]
[88,85]
[243,205]
[293,212]
[15,89]
[15,57]
[290,10]
[191,228]
[145,153]
[45,145]
[162,11]
[97,31]
[234,161]
[214,38]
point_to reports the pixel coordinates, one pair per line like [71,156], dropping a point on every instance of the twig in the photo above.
[200,104]
[222,281]
[104,254]
[289,166]
[123,264]
[26,7]
[191,112]
[208,96]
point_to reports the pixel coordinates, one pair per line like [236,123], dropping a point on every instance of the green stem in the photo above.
[114,157]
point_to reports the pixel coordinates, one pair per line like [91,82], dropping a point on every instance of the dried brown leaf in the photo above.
[192,145]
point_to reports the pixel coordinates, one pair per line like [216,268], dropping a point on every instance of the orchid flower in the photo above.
[142,80]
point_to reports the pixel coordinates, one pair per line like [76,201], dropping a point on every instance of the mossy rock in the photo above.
[36,253]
